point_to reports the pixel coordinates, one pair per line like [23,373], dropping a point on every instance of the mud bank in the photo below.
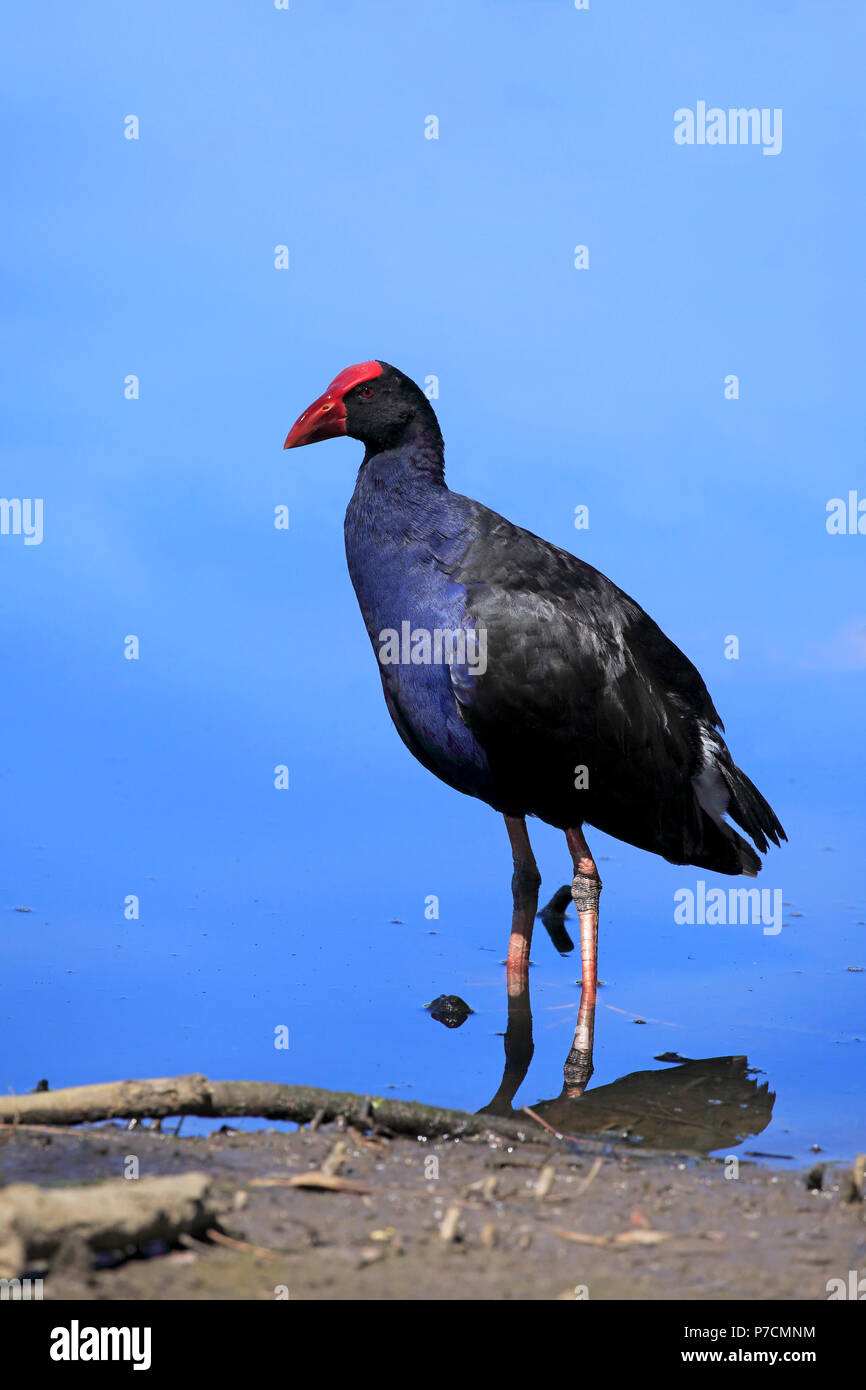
[476,1218]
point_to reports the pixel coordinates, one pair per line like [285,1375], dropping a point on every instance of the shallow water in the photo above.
[261,910]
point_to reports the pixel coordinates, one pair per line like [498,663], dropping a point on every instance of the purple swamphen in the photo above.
[521,675]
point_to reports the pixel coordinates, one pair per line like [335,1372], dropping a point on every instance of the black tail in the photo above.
[749,809]
[721,848]
[723,851]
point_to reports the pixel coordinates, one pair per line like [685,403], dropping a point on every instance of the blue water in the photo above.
[261,908]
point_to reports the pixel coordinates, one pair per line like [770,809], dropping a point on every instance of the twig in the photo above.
[17,1128]
[555,1132]
[545,1181]
[588,1145]
[326,1182]
[242,1246]
[448,1229]
[270,1100]
[591,1175]
[335,1160]
[580,1237]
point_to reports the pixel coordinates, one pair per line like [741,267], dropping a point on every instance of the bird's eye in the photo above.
[368,391]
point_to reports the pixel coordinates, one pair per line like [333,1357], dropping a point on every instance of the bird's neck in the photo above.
[411,465]
[400,504]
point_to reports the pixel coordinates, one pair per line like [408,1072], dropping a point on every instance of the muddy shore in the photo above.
[476,1218]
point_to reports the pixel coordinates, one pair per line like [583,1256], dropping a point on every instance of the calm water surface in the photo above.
[308,909]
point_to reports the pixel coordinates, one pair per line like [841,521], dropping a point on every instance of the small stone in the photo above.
[815,1178]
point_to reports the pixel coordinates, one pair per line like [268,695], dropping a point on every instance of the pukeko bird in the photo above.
[521,675]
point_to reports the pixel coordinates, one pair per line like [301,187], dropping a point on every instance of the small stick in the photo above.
[580,1237]
[588,1145]
[593,1173]
[543,1123]
[335,1160]
[545,1181]
[448,1229]
[241,1245]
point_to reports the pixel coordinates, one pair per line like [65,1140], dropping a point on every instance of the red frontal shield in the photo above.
[326,417]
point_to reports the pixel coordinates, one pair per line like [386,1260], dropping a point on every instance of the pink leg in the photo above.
[585,891]
[578,1064]
[525,884]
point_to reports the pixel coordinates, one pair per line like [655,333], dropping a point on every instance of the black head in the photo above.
[371,401]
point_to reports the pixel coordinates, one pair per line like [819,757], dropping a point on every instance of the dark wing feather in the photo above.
[579,675]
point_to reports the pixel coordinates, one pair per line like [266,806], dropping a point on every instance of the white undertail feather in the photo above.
[711,789]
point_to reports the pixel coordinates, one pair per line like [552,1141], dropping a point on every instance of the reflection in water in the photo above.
[696,1106]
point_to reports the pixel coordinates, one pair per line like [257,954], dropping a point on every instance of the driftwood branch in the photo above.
[37,1222]
[268,1100]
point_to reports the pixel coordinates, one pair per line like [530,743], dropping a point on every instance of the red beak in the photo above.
[326,417]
